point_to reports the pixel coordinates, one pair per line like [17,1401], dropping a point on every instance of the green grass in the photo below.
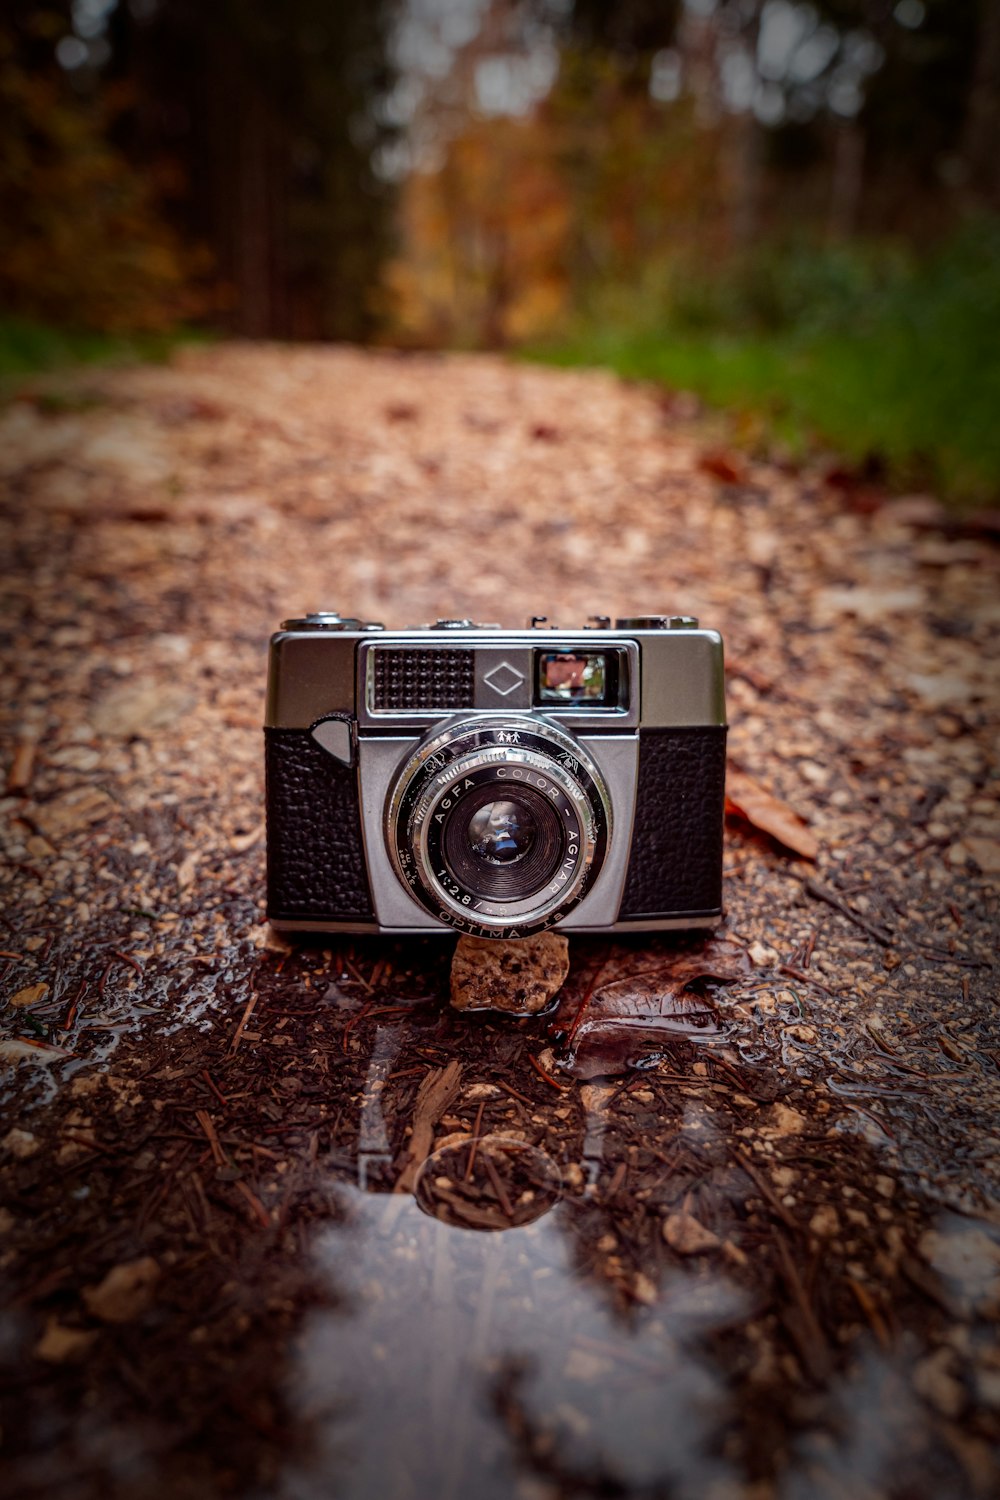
[28,348]
[861,351]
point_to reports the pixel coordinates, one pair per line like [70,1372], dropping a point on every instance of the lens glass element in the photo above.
[502,832]
[502,848]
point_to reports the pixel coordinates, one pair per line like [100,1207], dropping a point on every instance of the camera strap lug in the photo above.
[336,735]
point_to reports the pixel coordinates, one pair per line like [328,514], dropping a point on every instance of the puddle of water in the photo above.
[151,1005]
[459,1363]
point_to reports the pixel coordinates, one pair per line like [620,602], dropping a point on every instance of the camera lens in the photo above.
[498,825]
[503,849]
[501,832]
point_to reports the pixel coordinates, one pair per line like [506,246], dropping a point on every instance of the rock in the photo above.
[20,1143]
[785,1121]
[934,1378]
[825,1222]
[125,1292]
[687,1235]
[59,1345]
[517,975]
[968,1260]
[984,852]
[265,937]
[644,1290]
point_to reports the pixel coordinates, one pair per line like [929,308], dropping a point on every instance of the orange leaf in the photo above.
[750,801]
[724,466]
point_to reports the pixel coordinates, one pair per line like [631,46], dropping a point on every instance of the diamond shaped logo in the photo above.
[504,678]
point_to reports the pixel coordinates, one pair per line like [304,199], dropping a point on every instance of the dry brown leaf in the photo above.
[625,1021]
[30,995]
[725,466]
[747,799]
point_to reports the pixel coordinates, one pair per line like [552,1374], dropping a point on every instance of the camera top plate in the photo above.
[671,674]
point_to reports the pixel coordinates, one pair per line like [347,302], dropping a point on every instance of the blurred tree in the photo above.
[270,115]
[82,240]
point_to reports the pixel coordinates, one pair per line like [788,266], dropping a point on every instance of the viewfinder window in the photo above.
[574,677]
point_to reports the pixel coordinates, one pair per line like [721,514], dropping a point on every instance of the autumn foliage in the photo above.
[83,242]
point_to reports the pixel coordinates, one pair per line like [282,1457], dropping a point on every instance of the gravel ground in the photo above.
[764,1262]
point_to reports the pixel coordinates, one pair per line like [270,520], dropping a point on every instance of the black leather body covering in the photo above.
[675,868]
[316,868]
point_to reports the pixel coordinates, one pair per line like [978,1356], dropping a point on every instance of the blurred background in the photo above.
[791,210]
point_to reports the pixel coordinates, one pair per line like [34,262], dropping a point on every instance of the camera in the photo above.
[500,782]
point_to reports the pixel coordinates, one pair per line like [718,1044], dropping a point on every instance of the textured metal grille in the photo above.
[422,679]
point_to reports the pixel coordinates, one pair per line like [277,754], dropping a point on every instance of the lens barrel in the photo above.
[498,826]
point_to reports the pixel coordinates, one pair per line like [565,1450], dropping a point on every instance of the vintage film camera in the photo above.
[495,781]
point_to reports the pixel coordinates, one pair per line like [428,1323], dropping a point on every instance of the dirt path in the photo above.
[766,1263]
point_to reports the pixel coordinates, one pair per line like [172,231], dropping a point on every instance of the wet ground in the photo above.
[281,1223]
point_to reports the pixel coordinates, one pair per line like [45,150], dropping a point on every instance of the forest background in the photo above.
[790,210]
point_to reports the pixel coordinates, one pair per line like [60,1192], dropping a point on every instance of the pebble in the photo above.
[687,1235]
[517,975]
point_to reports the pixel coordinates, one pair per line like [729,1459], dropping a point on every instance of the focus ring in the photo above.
[466,765]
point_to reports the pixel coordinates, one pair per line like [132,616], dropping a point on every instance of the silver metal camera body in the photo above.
[497,782]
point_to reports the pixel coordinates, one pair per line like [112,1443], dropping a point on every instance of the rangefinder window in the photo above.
[589,677]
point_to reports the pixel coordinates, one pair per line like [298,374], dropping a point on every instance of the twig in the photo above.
[767,1192]
[805,1329]
[820,893]
[242,1026]
[214,1087]
[127,958]
[498,1188]
[574,1028]
[552,1082]
[205,1121]
[508,1089]
[866,1302]
[257,1208]
[475,1141]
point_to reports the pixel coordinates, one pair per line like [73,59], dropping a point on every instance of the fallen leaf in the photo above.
[724,466]
[746,799]
[185,871]
[623,1022]
[22,1049]
[437,1090]
[30,995]
[139,708]
[867,603]
[125,1292]
[78,809]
